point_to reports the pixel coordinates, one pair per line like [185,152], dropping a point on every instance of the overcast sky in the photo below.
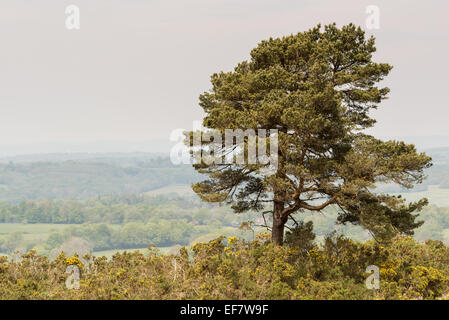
[135,68]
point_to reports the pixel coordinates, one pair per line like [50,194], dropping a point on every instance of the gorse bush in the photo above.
[231,268]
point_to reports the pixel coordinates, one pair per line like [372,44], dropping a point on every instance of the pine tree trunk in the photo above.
[277,231]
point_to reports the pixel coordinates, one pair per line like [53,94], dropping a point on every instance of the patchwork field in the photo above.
[38,233]
[436,196]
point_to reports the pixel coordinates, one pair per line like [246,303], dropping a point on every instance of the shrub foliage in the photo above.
[231,268]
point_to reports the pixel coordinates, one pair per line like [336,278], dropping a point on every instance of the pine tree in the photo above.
[316,88]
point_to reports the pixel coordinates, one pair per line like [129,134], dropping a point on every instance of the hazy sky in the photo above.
[135,68]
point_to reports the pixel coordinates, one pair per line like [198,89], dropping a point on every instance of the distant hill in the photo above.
[84,175]
[423,143]
[161,146]
[89,176]
[440,156]
[117,158]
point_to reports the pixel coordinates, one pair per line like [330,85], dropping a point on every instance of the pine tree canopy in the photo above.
[316,88]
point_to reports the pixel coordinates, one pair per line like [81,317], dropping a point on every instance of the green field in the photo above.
[182,190]
[37,231]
